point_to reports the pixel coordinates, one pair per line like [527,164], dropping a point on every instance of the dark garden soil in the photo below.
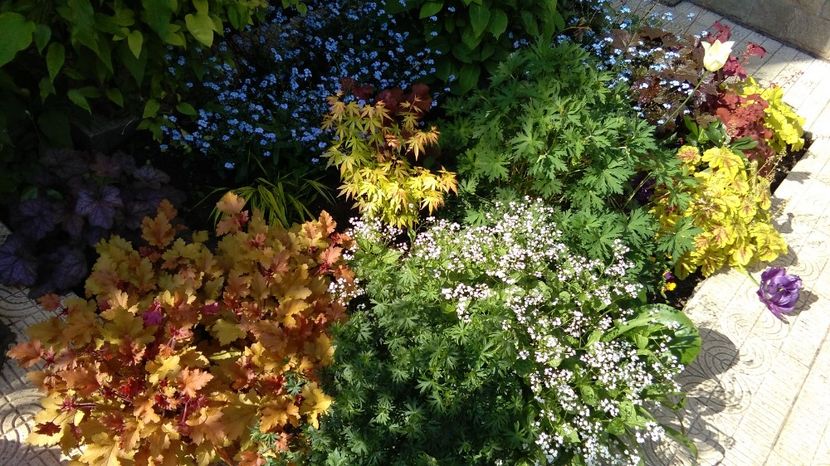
[685,288]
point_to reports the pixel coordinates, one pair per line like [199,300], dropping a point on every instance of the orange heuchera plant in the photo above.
[185,349]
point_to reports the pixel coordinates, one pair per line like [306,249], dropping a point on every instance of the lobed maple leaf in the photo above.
[157,231]
[50,301]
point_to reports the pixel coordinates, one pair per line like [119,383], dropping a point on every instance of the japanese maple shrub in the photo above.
[185,349]
[496,344]
[375,147]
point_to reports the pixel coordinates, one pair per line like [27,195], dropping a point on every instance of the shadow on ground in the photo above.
[706,396]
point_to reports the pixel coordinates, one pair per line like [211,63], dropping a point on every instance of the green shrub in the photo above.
[473,36]
[110,57]
[496,344]
[551,125]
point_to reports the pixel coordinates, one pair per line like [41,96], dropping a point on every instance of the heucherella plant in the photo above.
[497,344]
[786,125]
[730,205]
[185,350]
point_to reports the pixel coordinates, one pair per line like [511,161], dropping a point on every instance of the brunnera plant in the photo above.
[372,147]
[473,36]
[184,349]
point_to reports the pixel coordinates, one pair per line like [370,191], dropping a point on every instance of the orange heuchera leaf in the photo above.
[315,403]
[27,354]
[50,302]
[250,458]
[230,204]
[191,381]
[166,208]
[157,231]
[279,413]
[207,425]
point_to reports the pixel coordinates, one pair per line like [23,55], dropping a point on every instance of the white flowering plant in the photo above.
[497,344]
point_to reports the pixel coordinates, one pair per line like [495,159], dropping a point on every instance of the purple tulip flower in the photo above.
[779,291]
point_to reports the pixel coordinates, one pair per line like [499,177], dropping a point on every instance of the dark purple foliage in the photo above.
[150,176]
[18,267]
[35,218]
[70,267]
[74,200]
[99,205]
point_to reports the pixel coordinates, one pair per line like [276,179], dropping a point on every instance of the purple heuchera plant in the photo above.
[779,291]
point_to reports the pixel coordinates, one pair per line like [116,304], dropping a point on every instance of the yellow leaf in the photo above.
[103,451]
[230,204]
[315,403]
[227,332]
[279,413]
[167,368]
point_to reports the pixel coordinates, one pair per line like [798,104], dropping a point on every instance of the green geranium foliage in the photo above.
[497,344]
[552,125]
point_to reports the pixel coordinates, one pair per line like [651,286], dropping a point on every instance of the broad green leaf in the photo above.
[201,6]
[15,35]
[42,35]
[55,57]
[115,96]
[530,24]
[468,77]
[78,99]
[430,9]
[479,18]
[135,40]
[685,342]
[157,14]
[201,27]
[151,108]
[498,22]
[186,109]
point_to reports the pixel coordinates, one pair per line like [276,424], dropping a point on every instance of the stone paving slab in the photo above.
[757,392]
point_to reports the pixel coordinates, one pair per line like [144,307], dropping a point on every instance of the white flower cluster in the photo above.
[555,301]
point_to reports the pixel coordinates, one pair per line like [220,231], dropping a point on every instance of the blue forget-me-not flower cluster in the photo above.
[275,96]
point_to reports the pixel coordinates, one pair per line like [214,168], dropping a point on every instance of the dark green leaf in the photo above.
[15,35]
[430,8]
[498,22]
[479,18]
[55,58]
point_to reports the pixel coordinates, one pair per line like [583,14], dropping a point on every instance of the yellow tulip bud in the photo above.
[717,53]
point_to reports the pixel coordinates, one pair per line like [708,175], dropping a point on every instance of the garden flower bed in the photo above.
[514,195]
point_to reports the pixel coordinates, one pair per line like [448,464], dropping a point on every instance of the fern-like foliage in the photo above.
[553,125]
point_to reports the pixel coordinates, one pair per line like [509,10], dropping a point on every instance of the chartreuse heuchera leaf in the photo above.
[184,349]
[731,208]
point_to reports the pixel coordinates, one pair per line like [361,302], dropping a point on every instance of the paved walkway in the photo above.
[757,392]
[757,395]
